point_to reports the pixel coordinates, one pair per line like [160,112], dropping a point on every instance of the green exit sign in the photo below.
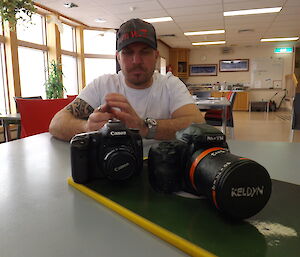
[283,50]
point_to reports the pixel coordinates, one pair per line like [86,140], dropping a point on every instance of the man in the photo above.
[157,105]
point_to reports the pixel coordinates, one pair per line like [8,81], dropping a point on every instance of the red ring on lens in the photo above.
[197,160]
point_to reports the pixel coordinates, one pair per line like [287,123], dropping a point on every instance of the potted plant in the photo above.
[54,85]
[14,10]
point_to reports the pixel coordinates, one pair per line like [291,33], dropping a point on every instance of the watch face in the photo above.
[152,122]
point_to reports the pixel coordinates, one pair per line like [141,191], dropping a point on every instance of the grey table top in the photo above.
[15,116]
[212,102]
[41,215]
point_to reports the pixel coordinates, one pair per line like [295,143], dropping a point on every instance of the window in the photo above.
[67,38]
[163,66]
[68,60]
[100,50]
[3,93]
[69,68]
[1,27]
[34,31]
[32,65]
[32,57]
[94,67]
[100,42]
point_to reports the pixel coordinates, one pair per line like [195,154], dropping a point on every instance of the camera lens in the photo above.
[119,164]
[238,187]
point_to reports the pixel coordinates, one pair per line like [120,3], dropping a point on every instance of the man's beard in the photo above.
[139,79]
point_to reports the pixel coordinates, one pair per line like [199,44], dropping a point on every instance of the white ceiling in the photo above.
[192,15]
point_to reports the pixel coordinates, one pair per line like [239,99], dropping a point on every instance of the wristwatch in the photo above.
[151,124]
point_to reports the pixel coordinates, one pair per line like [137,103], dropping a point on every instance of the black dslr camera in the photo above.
[200,162]
[114,152]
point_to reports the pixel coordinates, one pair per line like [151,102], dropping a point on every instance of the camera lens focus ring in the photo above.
[119,164]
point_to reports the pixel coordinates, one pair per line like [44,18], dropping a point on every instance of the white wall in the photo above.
[163,50]
[164,53]
[212,55]
[209,55]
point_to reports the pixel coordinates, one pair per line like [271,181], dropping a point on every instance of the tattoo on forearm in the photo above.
[80,109]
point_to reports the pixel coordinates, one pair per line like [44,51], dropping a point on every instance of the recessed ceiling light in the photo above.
[100,20]
[161,19]
[208,32]
[253,11]
[279,39]
[70,5]
[209,43]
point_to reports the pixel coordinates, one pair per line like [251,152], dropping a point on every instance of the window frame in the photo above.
[41,47]
[72,53]
[98,56]
[4,72]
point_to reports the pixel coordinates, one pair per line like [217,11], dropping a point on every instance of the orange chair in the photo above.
[36,114]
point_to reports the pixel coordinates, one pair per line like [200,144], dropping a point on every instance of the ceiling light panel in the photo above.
[208,32]
[100,20]
[208,43]
[253,11]
[161,19]
[279,39]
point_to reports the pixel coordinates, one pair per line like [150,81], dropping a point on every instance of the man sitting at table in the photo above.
[155,104]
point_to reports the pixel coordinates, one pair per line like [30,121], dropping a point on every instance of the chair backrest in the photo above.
[26,97]
[214,117]
[203,94]
[231,97]
[36,114]
[72,96]
[296,112]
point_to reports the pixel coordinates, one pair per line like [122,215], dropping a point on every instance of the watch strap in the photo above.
[151,125]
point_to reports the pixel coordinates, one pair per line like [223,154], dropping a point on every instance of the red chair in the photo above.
[36,114]
[72,96]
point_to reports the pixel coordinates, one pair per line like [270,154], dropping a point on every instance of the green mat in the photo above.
[194,224]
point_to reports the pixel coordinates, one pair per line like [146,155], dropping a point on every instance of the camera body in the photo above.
[200,162]
[114,152]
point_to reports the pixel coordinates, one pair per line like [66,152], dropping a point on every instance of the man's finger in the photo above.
[103,108]
[124,106]
[100,116]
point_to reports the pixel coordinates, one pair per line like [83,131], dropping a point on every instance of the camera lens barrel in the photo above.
[119,164]
[237,186]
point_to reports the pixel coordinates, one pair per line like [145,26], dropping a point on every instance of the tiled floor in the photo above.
[263,126]
[258,126]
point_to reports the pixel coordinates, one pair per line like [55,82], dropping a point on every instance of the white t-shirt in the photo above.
[159,101]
